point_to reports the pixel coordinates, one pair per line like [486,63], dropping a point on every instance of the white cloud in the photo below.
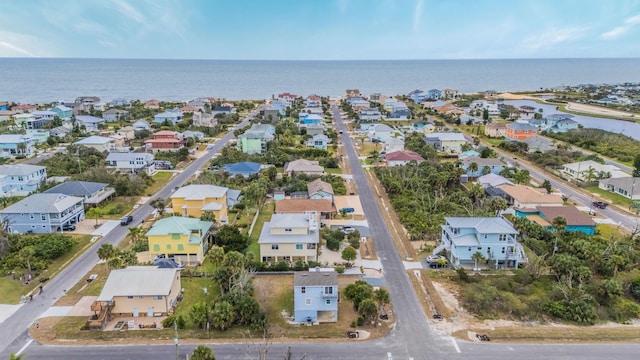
[417,15]
[553,37]
[129,11]
[618,31]
[8,49]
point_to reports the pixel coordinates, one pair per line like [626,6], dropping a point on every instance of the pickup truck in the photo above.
[599,204]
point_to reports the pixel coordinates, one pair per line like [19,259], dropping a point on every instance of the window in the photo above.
[307,301]
[287,229]
[485,236]
[274,246]
[31,216]
[175,236]
[157,297]
[328,302]
[303,290]
[469,248]
[299,246]
[503,250]
[328,290]
[180,247]
[168,246]
[479,248]
[129,297]
[156,247]
[503,237]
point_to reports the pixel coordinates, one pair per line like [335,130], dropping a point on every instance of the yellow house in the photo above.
[141,291]
[289,237]
[193,200]
[185,239]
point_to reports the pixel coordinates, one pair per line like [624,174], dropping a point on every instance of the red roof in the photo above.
[163,140]
[23,107]
[287,95]
[403,156]
[313,97]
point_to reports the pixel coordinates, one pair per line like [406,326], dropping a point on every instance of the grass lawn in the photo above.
[194,293]
[333,171]
[83,288]
[11,290]
[265,215]
[609,231]
[614,198]
[160,179]
[118,207]
[275,295]
[366,148]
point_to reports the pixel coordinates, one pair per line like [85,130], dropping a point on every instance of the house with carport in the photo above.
[450,142]
[132,163]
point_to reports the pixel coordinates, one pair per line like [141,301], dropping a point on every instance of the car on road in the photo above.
[126,220]
[600,204]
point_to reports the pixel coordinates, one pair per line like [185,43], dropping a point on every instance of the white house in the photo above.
[131,162]
[99,143]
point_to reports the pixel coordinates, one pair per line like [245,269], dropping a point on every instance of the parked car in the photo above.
[348,229]
[600,204]
[68,227]
[126,220]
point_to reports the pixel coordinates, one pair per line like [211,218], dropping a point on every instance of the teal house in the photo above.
[544,215]
[63,112]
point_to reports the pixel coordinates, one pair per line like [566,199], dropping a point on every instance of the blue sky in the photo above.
[320,29]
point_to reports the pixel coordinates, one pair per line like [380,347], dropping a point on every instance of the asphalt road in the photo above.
[13,331]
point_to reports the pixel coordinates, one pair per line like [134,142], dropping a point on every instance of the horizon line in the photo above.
[309,60]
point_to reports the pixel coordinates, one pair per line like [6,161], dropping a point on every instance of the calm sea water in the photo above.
[46,80]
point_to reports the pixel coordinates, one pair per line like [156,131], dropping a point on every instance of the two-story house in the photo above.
[313,101]
[320,141]
[520,130]
[204,119]
[63,112]
[21,179]
[482,166]
[305,119]
[315,296]
[494,237]
[244,169]
[16,144]
[99,143]
[446,142]
[289,237]
[140,125]
[171,115]
[254,140]
[90,123]
[369,114]
[165,140]
[194,200]
[522,196]
[93,193]
[131,162]
[495,130]
[43,213]
[183,238]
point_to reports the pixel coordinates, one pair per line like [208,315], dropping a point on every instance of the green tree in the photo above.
[200,314]
[381,296]
[216,255]
[208,215]
[472,169]
[368,309]
[202,352]
[159,205]
[26,254]
[358,291]
[636,166]
[222,315]
[546,184]
[349,253]
[107,252]
[485,114]
[477,257]
[230,238]
[13,356]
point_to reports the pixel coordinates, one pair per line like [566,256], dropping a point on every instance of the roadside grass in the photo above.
[559,334]
[430,300]
[265,215]
[333,171]
[118,207]
[366,148]
[84,288]
[614,198]
[609,231]
[275,295]
[160,179]
[11,290]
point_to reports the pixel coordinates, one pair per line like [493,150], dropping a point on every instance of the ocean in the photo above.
[42,80]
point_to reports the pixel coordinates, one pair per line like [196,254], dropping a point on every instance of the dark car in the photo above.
[600,204]
[68,227]
[126,220]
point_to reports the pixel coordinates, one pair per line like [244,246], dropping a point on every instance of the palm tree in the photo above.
[560,224]
[135,232]
[107,252]
[159,205]
[590,174]
[486,170]
[26,253]
[472,169]
[477,257]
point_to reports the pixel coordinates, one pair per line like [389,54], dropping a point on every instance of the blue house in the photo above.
[434,94]
[319,141]
[172,115]
[483,166]
[43,213]
[544,216]
[318,190]
[559,123]
[400,111]
[417,96]
[245,169]
[308,119]
[494,237]
[63,112]
[315,297]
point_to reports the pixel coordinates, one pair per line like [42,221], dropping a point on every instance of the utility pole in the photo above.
[175,339]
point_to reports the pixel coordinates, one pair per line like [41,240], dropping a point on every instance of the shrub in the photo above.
[141,246]
[339,269]
[462,274]
[360,321]
[333,244]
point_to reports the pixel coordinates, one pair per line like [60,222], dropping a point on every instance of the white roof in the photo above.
[450,136]
[115,156]
[138,281]
[199,192]
[483,225]
[93,140]
[20,169]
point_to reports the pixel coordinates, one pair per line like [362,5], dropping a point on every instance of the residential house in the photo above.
[204,119]
[6,115]
[349,93]
[315,297]
[131,162]
[188,109]
[521,196]
[165,140]
[526,112]
[519,131]
[417,96]
[446,142]
[539,143]
[233,197]
[495,130]
[186,239]
[315,129]
[370,114]
[272,114]
[494,237]
[624,186]
[226,110]
[127,132]
[90,123]
[313,101]
[63,112]
[482,105]
[21,179]
[483,166]
[287,98]
[492,180]
[244,169]
[316,208]
[171,115]
[46,115]
[60,131]
[303,166]
[450,94]
[393,145]
[152,104]
[400,111]
[190,134]
[590,170]
[43,213]
[559,123]
[320,141]
[29,121]
[39,136]
[254,140]
[289,237]
[23,108]
[119,102]
[99,143]
[139,291]
[318,189]
[383,132]
[93,193]
[375,97]
[194,200]
[199,104]
[115,115]
[16,144]
[401,158]
[575,219]
[140,125]
[389,103]
[358,103]
[308,119]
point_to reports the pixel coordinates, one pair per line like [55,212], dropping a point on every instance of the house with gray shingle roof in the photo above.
[21,179]
[43,213]
[93,193]
[315,296]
